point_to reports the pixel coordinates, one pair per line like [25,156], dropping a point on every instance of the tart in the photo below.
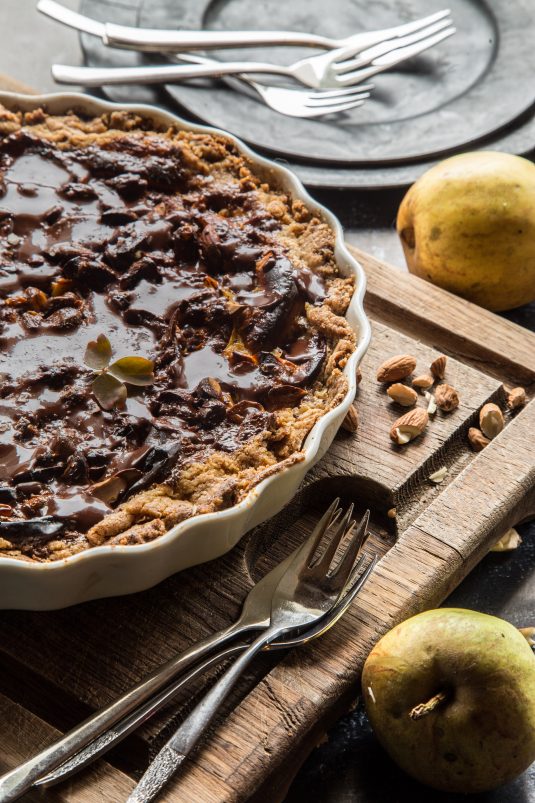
[171,328]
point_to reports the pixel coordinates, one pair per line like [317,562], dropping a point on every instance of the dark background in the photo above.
[349,767]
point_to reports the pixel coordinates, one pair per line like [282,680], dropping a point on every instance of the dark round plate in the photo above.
[210,102]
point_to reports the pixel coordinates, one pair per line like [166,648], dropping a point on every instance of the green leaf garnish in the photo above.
[109,386]
[98,353]
[133,370]
[109,391]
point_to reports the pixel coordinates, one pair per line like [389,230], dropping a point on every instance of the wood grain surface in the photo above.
[57,667]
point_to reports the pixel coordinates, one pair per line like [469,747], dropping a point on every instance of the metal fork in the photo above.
[292,102]
[307,591]
[97,733]
[112,737]
[159,41]
[330,70]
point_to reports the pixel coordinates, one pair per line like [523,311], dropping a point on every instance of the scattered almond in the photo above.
[438,367]
[424,381]
[477,440]
[491,420]
[409,426]
[402,394]
[391,513]
[439,475]
[509,541]
[431,403]
[516,398]
[359,376]
[446,397]
[351,421]
[395,368]
[529,635]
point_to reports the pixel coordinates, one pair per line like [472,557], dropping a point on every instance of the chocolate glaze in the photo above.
[117,240]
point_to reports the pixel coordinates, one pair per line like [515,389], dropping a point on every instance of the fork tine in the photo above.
[317,111]
[345,567]
[308,548]
[337,93]
[392,58]
[320,103]
[324,561]
[364,41]
[369,56]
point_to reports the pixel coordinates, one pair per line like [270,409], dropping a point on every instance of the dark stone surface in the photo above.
[350,767]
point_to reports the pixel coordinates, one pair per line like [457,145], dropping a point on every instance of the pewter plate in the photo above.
[465,90]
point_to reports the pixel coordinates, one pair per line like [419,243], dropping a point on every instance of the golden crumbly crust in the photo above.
[223,478]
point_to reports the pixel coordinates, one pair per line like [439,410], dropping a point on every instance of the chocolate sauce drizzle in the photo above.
[119,240]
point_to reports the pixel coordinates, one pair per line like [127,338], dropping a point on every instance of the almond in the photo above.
[439,475]
[395,368]
[516,398]
[477,440]
[491,420]
[424,381]
[438,367]
[402,394]
[446,397]
[509,541]
[409,426]
[359,376]
[351,421]
[431,403]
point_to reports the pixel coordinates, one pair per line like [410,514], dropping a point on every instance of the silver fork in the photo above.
[307,591]
[159,40]
[330,70]
[112,737]
[293,102]
[97,733]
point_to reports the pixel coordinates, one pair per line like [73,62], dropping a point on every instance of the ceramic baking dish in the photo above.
[113,570]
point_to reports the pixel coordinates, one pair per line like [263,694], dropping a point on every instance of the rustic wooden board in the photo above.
[57,667]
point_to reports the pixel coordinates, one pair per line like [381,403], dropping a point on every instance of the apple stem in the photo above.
[424,709]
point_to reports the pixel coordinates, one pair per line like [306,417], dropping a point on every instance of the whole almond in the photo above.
[516,398]
[491,420]
[438,367]
[351,420]
[402,394]
[409,426]
[477,440]
[359,376]
[424,381]
[446,397]
[395,368]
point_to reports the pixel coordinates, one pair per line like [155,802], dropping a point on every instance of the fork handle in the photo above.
[154,39]
[14,783]
[180,745]
[99,76]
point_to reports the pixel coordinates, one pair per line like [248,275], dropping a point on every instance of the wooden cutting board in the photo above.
[57,667]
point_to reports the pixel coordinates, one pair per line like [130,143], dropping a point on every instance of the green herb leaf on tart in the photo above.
[133,370]
[98,353]
[109,391]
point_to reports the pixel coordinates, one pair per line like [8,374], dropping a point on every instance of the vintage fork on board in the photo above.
[307,591]
[157,40]
[102,730]
[112,737]
[331,70]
